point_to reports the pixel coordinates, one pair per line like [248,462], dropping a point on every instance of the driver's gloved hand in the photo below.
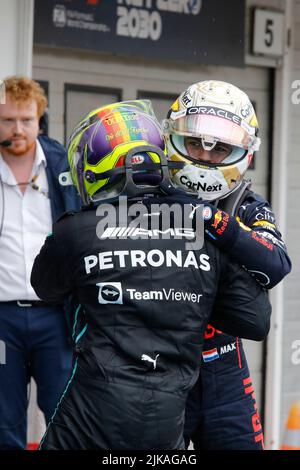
[220,228]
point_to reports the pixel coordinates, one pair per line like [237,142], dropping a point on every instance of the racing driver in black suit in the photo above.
[146,284]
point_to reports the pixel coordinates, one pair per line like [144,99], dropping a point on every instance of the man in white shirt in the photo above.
[33,333]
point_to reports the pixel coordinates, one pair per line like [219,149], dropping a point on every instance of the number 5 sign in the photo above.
[268,32]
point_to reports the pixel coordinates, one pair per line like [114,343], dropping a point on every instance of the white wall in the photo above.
[16,35]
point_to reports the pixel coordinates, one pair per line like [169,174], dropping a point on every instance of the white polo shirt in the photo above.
[26,223]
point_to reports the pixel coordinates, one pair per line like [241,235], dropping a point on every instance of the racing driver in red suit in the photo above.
[211,133]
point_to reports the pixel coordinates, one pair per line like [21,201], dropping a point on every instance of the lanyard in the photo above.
[32,183]
[35,186]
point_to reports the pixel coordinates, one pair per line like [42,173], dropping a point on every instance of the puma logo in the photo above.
[194,208]
[149,359]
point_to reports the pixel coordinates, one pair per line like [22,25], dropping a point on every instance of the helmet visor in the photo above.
[220,153]
[219,128]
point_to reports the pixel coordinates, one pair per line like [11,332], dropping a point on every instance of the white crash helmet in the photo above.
[213,111]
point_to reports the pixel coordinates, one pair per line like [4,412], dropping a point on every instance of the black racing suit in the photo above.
[147,302]
[221,409]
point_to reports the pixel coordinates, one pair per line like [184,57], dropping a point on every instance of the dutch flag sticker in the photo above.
[210,355]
